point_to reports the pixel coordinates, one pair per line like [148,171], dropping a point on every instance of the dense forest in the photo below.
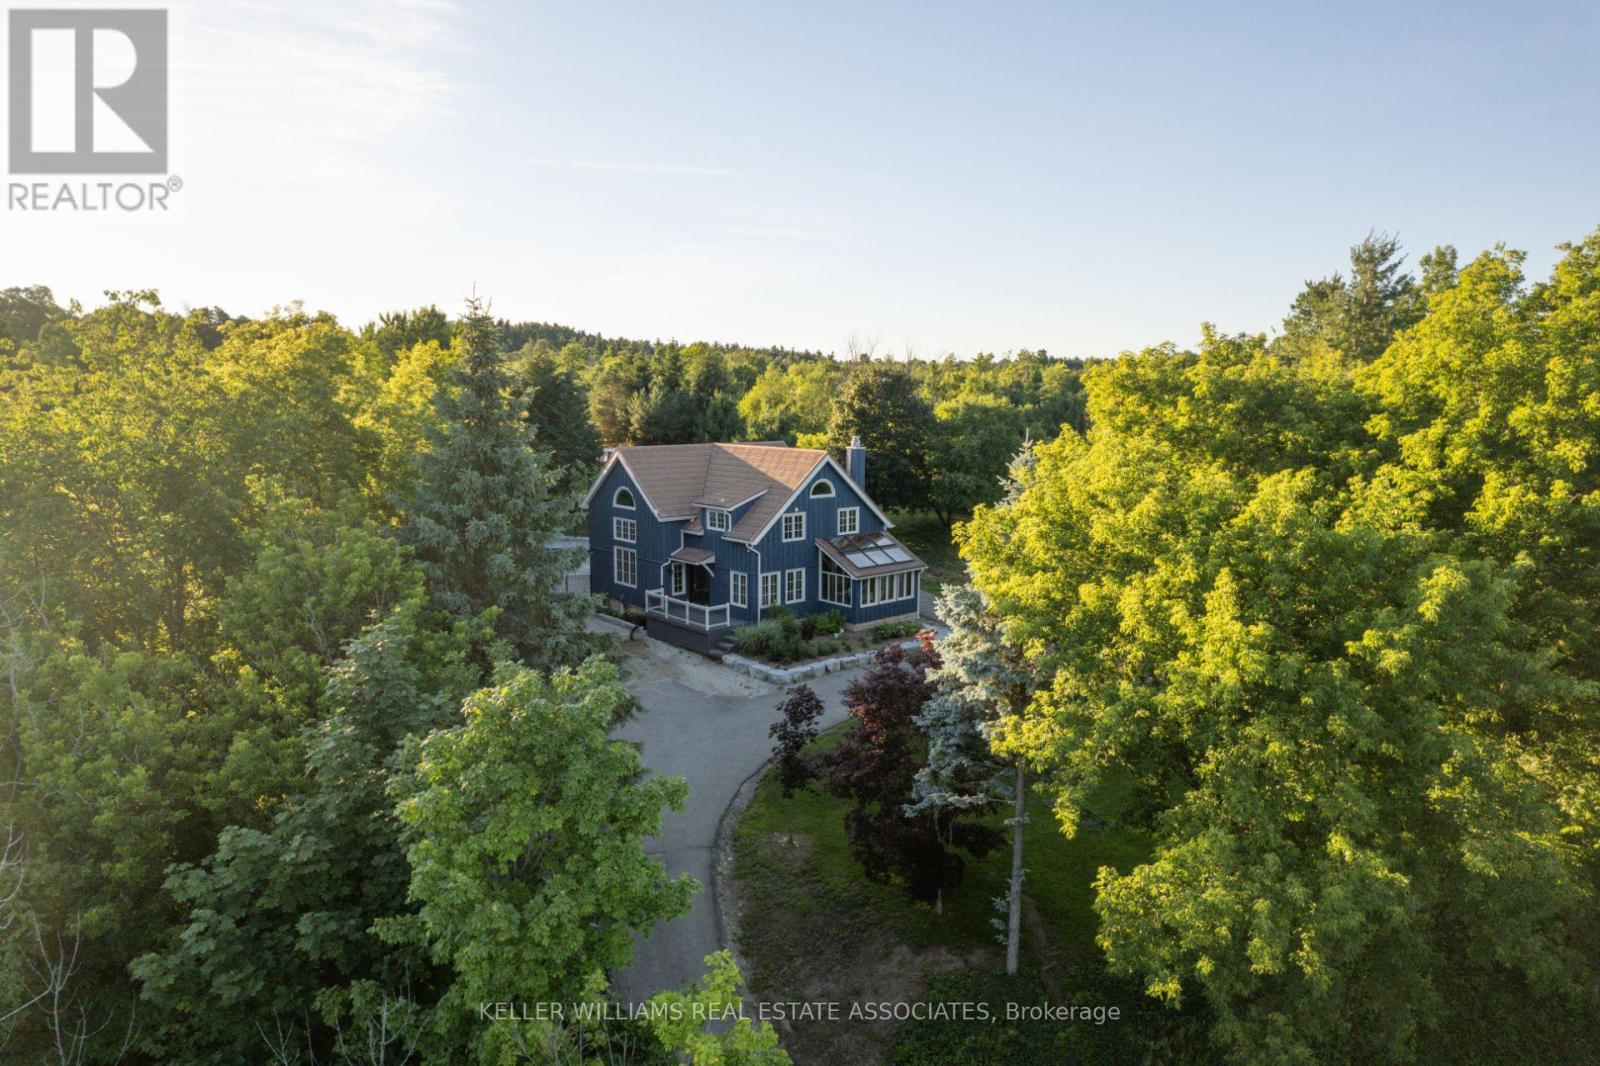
[295,710]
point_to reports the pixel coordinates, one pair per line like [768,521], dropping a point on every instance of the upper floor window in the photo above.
[794,526]
[849,520]
[623,499]
[822,487]
[718,521]
[624,529]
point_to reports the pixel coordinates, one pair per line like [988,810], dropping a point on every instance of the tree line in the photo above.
[939,430]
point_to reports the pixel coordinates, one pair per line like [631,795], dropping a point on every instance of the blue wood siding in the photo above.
[732,557]
[655,542]
[822,521]
[658,540]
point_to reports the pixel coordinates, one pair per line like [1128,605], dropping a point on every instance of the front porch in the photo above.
[696,627]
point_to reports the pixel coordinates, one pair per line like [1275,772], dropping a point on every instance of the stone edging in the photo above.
[779,675]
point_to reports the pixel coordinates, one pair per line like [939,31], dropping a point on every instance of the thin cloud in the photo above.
[323,101]
[633,168]
[798,234]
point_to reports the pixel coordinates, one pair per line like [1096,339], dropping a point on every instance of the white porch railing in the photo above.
[696,615]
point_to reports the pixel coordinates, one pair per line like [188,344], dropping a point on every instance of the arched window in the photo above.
[623,499]
[823,487]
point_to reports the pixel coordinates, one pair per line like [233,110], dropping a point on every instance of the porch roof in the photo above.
[693,556]
[870,554]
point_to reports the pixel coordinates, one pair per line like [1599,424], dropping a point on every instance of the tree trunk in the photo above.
[1014,907]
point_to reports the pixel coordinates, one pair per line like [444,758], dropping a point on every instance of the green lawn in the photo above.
[924,534]
[813,927]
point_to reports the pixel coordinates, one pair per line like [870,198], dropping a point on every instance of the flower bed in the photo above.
[780,639]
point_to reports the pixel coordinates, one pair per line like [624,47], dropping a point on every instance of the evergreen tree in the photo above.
[556,407]
[982,681]
[485,510]
[1356,317]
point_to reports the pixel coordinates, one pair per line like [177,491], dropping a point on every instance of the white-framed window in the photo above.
[625,567]
[623,499]
[624,529]
[794,525]
[718,521]
[679,579]
[822,487]
[739,589]
[771,588]
[794,586]
[834,584]
[849,520]
[888,588]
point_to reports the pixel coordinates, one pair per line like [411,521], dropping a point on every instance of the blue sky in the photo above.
[922,177]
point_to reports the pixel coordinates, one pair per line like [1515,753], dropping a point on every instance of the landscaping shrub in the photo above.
[775,639]
[631,615]
[826,624]
[896,630]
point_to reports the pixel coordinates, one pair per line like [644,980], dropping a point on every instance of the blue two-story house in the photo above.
[707,537]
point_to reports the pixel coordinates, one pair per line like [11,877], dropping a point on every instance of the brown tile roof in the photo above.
[678,476]
[693,556]
[870,554]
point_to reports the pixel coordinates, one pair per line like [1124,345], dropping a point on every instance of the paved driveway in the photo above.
[707,724]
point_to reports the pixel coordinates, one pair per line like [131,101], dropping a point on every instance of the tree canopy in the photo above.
[1338,629]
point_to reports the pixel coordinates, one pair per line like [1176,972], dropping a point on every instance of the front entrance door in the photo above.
[699,585]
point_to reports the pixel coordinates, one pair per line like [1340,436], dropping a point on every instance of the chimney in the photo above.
[855,458]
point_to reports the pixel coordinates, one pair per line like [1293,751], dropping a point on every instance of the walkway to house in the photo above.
[707,724]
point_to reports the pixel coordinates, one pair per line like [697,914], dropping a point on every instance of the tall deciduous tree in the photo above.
[879,404]
[25,312]
[280,917]
[484,513]
[974,437]
[526,826]
[1257,594]
[787,401]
